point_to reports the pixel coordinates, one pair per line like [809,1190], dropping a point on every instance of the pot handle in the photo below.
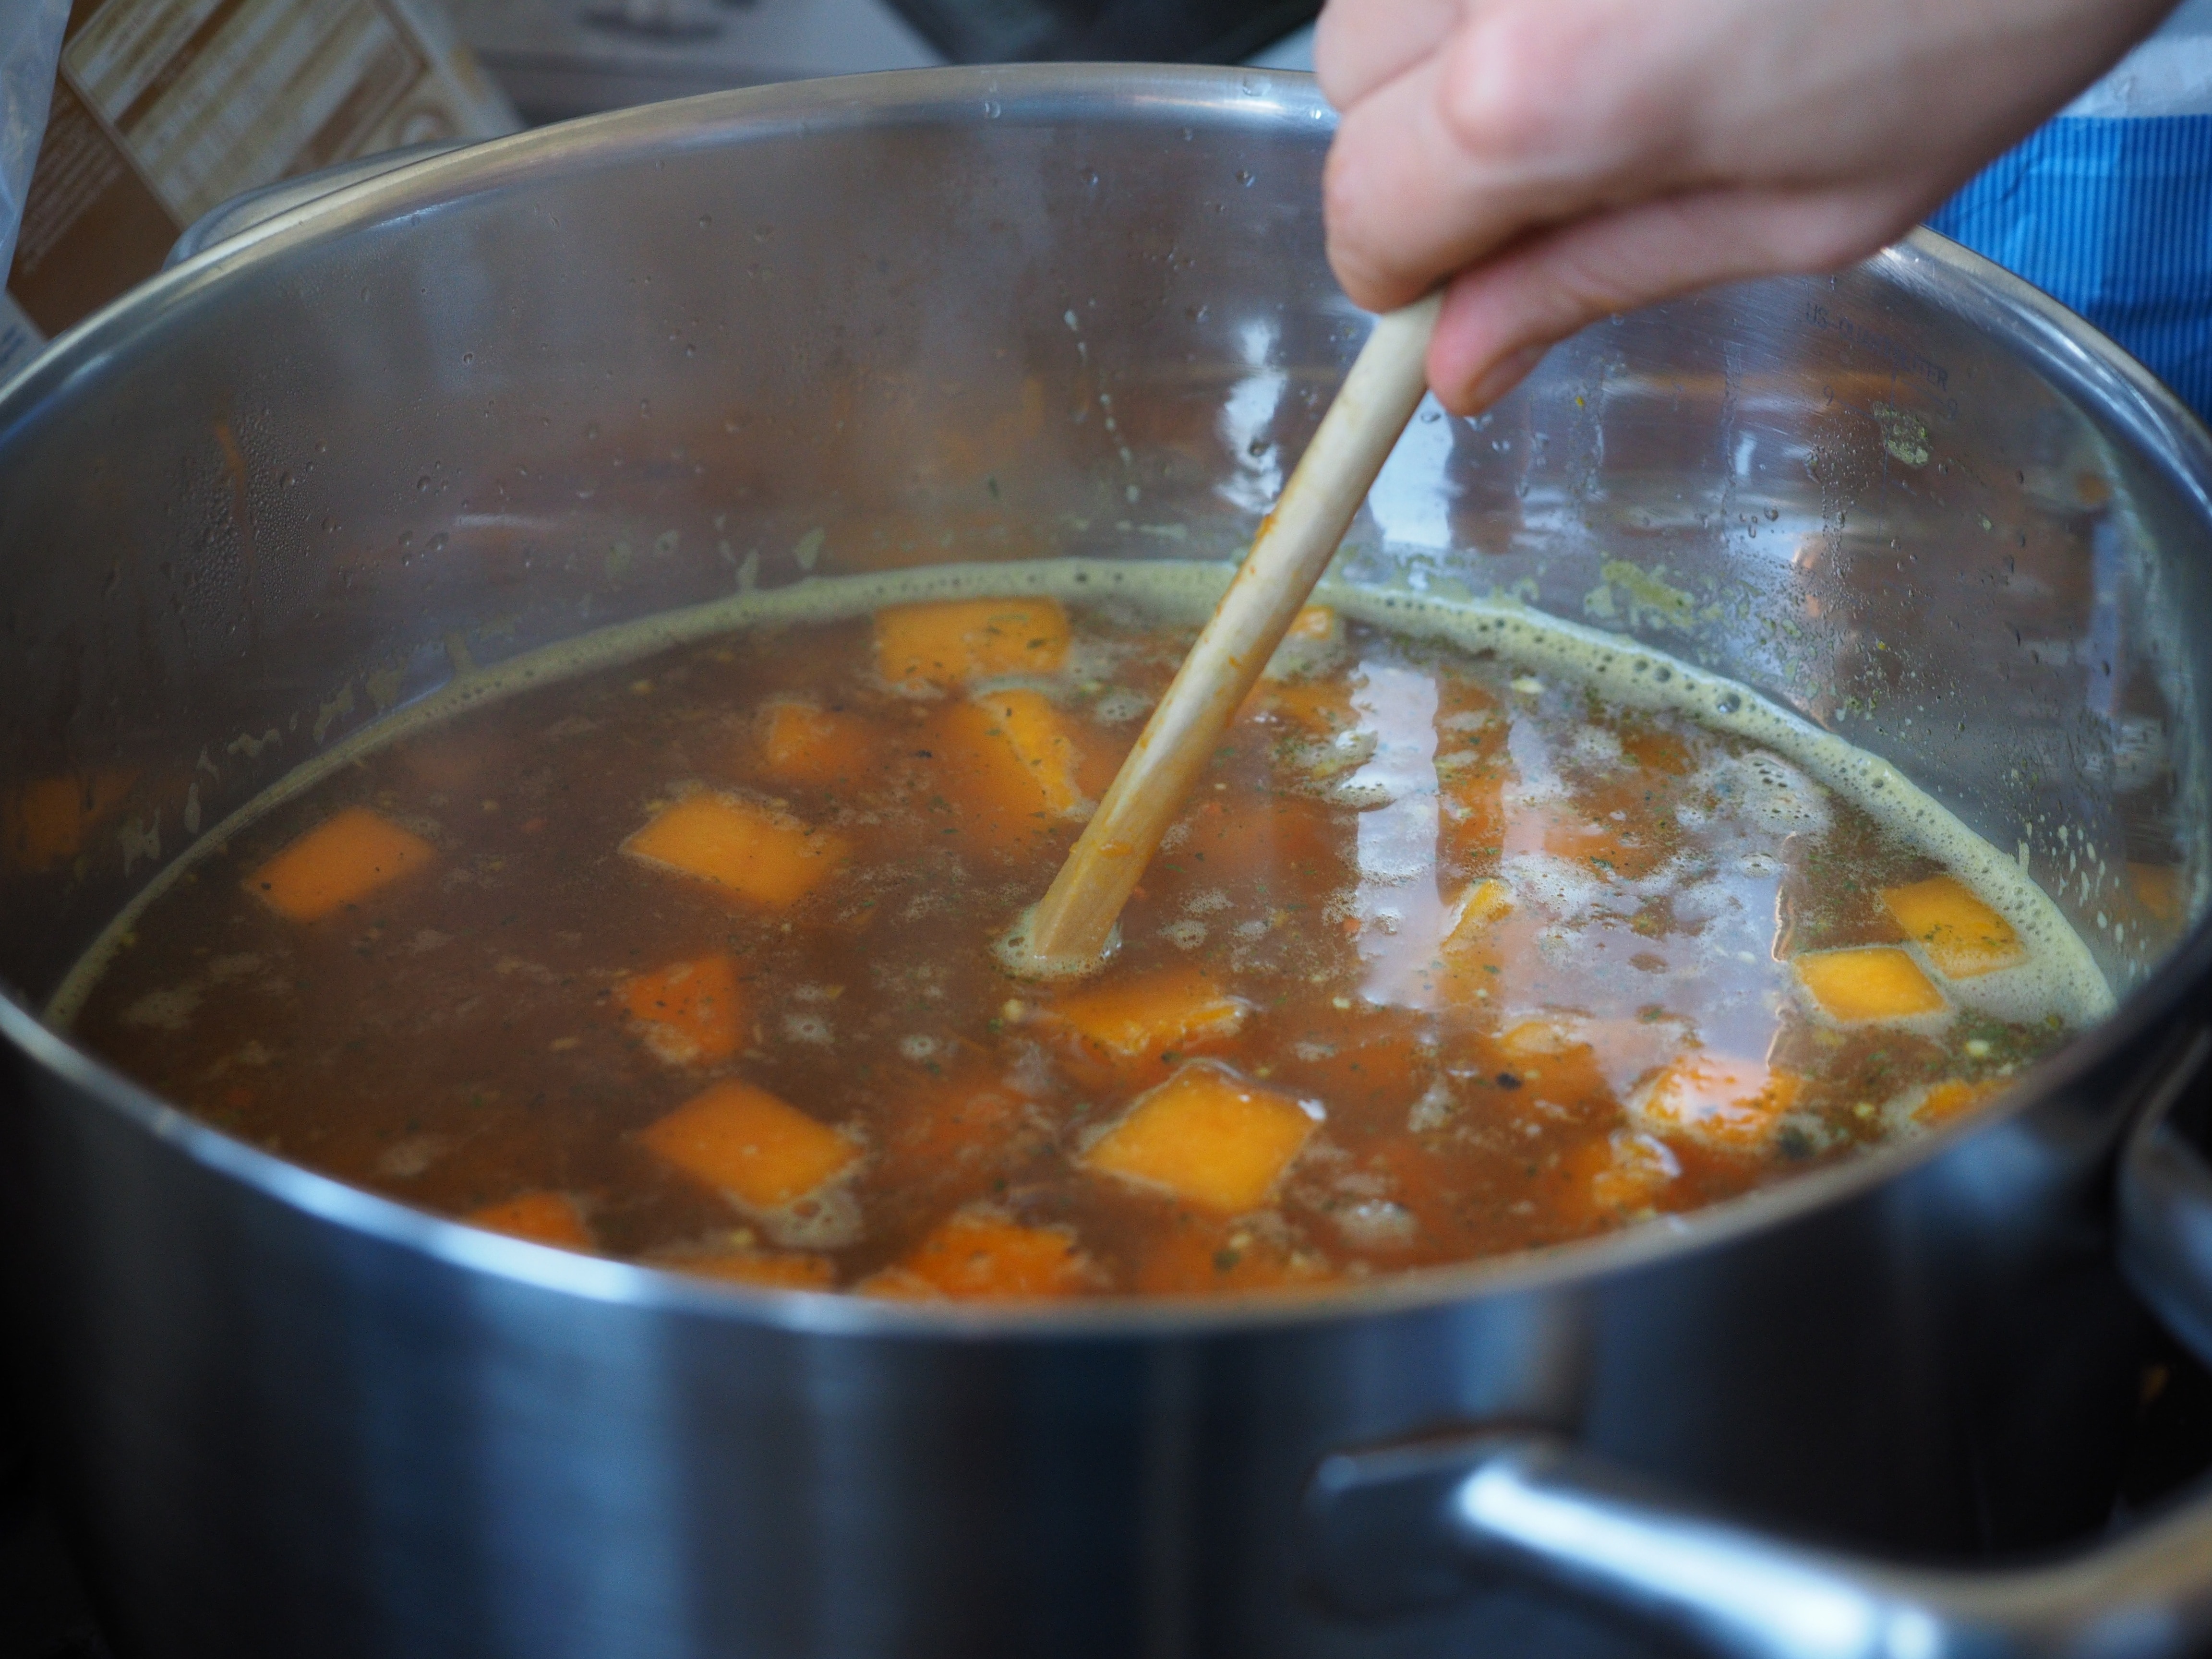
[1395,1527]
[2165,1218]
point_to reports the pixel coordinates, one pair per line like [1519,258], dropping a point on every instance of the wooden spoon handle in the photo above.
[1068,932]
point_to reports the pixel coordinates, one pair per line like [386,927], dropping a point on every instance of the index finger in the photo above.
[1358,45]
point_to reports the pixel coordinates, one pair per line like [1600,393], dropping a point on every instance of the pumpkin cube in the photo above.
[1208,1136]
[1950,1098]
[1619,1176]
[1037,733]
[46,822]
[977,1253]
[690,1011]
[1170,1010]
[767,857]
[776,1270]
[1003,771]
[339,862]
[1868,982]
[1484,902]
[761,1152]
[1731,1105]
[1963,936]
[805,743]
[543,1217]
[946,644]
[2161,889]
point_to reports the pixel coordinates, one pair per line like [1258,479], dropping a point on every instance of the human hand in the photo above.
[1560,160]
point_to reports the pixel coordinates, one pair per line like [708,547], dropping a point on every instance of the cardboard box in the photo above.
[164,108]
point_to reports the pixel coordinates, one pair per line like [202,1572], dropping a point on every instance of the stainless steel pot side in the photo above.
[510,394]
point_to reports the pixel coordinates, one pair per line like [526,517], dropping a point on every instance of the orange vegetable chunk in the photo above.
[761,1151]
[779,1270]
[689,1010]
[803,743]
[1484,901]
[978,1252]
[1731,1105]
[767,857]
[1206,1135]
[1948,1099]
[1963,936]
[1171,1009]
[958,640]
[2161,888]
[341,861]
[1038,735]
[1618,1176]
[1868,982]
[544,1217]
[975,769]
[48,820]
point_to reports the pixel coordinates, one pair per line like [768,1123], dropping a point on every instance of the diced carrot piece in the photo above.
[980,1252]
[1871,982]
[780,1270]
[959,640]
[991,796]
[1483,902]
[1321,705]
[2159,889]
[46,822]
[1208,1136]
[1963,936]
[1948,1099]
[341,861]
[1170,1010]
[752,1146]
[767,857]
[805,743]
[1200,1255]
[689,1010]
[545,1218]
[1027,723]
[1621,1176]
[1731,1105]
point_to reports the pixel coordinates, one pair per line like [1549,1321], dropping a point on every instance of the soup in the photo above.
[1483,933]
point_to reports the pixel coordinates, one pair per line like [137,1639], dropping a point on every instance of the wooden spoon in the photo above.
[1069,932]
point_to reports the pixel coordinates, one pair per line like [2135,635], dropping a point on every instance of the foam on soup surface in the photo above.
[1481,933]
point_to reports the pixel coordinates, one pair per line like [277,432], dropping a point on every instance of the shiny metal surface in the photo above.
[584,374]
[1403,1527]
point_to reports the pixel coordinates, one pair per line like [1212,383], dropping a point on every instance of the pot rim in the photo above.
[2067,349]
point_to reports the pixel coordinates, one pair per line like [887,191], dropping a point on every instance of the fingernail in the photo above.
[1504,375]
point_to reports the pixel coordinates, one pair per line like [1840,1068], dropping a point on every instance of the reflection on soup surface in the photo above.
[688,960]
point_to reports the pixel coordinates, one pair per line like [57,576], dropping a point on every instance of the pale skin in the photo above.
[1559,160]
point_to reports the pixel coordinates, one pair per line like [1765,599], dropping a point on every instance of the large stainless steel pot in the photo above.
[519,392]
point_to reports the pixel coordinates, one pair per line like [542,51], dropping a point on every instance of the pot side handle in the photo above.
[1392,1528]
[2166,1217]
[1395,1529]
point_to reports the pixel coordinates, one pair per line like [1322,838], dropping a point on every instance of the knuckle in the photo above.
[1506,87]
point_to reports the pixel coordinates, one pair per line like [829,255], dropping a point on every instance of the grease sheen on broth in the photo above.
[1483,932]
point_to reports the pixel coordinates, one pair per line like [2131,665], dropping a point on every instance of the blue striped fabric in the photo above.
[2111,216]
